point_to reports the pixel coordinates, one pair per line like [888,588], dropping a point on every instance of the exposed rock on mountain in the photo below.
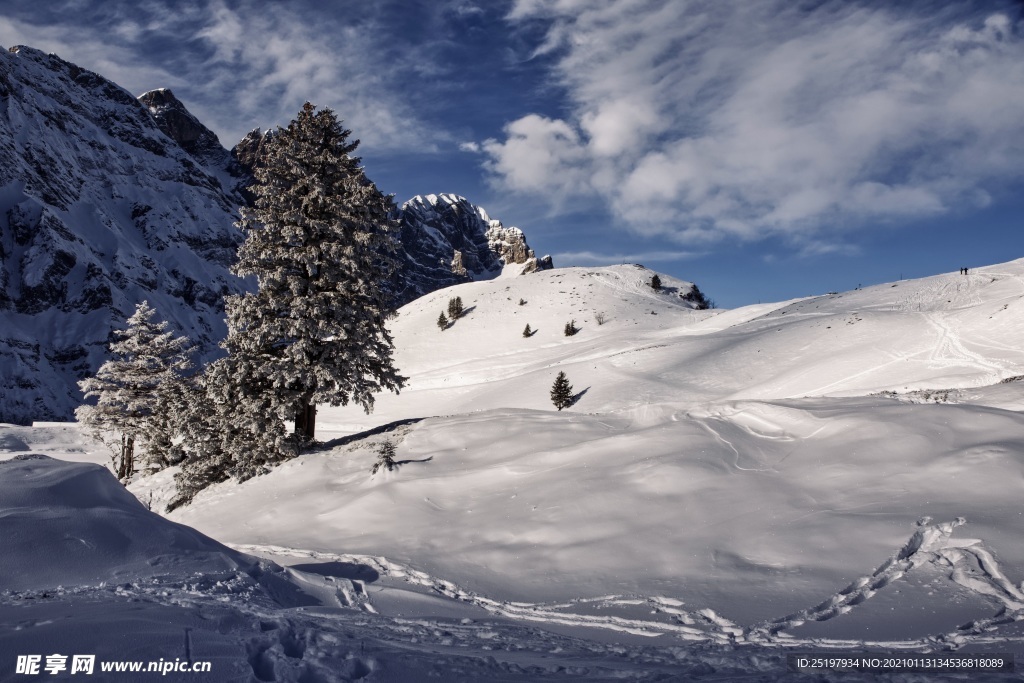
[446,240]
[99,209]
[180,125]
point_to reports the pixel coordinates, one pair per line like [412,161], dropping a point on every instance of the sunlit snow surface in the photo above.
[836,472]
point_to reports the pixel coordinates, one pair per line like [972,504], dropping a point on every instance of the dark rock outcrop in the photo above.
[180,125]
[446,240]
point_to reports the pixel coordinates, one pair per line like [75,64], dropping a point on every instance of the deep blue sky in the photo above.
[766,150]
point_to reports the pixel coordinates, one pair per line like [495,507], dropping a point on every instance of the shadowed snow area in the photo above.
[73,524]
[837,472]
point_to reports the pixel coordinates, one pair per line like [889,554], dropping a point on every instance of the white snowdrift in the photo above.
[74,524]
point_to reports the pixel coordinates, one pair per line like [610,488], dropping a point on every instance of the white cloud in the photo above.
[700,119]
[471,147]
[244,65]
[592,258]
[539,155]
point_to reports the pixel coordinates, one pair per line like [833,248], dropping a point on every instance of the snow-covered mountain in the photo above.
[100,209]
[107,199]
[446,240]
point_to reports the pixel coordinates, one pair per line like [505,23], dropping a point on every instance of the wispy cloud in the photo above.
[592,258]
[242,65]
[701,119]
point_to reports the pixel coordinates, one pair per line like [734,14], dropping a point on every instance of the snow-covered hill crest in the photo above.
[447,240]
[99,209]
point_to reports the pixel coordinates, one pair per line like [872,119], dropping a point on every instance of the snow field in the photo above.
[725,478]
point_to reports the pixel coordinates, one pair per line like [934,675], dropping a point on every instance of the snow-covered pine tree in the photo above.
[527,332]
[561,392]
[442,321]
[321,243]
[656,282]
[234,425]
[136,391]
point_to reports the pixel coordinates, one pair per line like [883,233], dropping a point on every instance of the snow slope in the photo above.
[842,472]
[742,462]
[87,570]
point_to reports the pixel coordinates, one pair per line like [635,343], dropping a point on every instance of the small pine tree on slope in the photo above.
[527,332]
[561,392]
[442,321]
[136,391]
[455,308]
[385,458]
[321,244]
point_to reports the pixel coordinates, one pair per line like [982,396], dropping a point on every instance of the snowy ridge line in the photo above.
[701,626]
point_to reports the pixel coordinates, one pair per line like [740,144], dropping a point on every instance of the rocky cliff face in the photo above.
[104,201]
[447,240]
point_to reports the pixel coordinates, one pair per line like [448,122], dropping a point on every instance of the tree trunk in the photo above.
[127,465]
[305,421]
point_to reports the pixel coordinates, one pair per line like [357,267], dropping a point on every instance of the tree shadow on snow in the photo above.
[345,440]
[577,396]
[340,570]
[406,462]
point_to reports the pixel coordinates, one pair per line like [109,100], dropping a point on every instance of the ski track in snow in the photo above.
[949,350]
[932,544]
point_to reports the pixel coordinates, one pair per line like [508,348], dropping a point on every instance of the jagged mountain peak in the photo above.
[180,125]
[448,240]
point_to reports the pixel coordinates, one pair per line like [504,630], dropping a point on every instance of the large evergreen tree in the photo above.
[321,241]
[136,392]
